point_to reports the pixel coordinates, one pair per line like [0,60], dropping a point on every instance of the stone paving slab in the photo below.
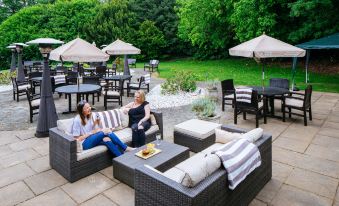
[300,132]
[280,171]
[18,157]
[5,150]
[108,172]
[40,164]
[13,174]
[323,152]
[99,200]
[289,195]
[326,141]
[291,144]
[7,138]
[315,164]
[313,182]
[25,144]
[270,190]
[88,187]
[256,202]
[121,194]
[45,181]
[55,197]
[329,132]
[15,193]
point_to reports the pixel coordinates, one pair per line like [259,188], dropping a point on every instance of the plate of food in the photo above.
[148,152]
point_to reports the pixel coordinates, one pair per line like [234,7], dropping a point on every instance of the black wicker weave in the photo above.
[170,155]
[195,144]
[152,188]
[63,154]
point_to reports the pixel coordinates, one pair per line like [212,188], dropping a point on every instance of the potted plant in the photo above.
[204,108]
[212,88]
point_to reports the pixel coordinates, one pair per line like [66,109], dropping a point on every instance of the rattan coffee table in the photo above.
[170,155]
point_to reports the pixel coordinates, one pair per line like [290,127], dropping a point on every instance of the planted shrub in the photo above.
[204,107]
[182,81]
[5,77]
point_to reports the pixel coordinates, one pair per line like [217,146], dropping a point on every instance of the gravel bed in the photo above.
[158,100]
[4,88]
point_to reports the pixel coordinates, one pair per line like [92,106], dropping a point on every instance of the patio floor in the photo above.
[305,159]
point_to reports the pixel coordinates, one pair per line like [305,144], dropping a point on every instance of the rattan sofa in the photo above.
[152,188]
[63,153]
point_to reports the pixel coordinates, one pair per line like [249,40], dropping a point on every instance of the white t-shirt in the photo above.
[78,129]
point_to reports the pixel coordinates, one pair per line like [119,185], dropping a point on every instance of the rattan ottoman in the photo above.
[170,155]
[195,134]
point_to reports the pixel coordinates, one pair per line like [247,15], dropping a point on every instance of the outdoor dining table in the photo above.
[269,93]
[120,78]
[78,90]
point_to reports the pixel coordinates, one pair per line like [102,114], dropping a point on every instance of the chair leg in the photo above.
[235,116]
[283,111]
[31,115]
[244,115]
[289,112]
[223,104]
[256,120]
[13,94]
[305,117]
[105,103]
[310,113]
[17,96]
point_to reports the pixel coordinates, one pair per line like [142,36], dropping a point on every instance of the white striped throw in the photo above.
[59,79]
[109,119]
[243,95]
[239,158]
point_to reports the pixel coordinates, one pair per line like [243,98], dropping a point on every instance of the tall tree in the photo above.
[205,23]
[114,19]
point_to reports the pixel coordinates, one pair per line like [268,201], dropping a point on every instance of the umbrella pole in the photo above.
[263,73]
[308,53]
[294,65]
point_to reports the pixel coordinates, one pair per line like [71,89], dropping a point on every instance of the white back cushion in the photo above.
[65,125]
[222,136]
[110,118]
[253,135]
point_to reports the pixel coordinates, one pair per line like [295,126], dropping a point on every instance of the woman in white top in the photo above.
[87,130]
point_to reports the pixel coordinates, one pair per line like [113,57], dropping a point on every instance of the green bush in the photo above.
[5,77]
[204,107]
[181,81]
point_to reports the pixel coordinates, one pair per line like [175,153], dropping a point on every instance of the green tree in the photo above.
[313,19]
[163,14]
[205,24]
[63,20]
[114,20]
[150,40]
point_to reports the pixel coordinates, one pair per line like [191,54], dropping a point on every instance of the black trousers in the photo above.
[138,135]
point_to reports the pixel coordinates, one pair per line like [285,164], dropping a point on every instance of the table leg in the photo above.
[69,103]
[272,105]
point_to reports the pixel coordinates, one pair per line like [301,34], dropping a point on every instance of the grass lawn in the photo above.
[246,72]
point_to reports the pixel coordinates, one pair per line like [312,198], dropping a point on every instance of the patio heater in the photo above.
[20,76]
[13,63]
[47,113]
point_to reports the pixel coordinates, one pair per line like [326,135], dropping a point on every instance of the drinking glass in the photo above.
[158,137]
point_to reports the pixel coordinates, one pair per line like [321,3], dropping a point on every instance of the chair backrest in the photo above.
[252,105]
[31,96]
[131,61]
[280,82]
[227,85]
[154,62]
[101,71]
[34,74]
[91,80]
[15,84]
[307,98]
[147,78]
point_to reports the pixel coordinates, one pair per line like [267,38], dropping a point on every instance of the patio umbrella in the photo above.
[20,76]
[47,113]
[119,47]
[266,47]
[13,63]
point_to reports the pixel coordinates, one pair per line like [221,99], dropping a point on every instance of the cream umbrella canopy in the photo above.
[78,50]
[266,47]
[119,47]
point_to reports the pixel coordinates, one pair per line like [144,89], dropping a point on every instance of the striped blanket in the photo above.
[239,158]
[243,95]
[109,119]
[59,79]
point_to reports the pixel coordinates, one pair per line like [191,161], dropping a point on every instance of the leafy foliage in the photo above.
[181,81]
[204,107]
[5,77]
[150,40]
[114,20]
[63,20]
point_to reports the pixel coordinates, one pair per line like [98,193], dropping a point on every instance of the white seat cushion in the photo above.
[152,129]
[103,84]
[222,136]
[260,104]
[35,102]
[197,128]
[230,96]
[134,85]
[111,93]
[91,152]
[195,169]
[212,148]
[294,102]
[23,87]
[124,118]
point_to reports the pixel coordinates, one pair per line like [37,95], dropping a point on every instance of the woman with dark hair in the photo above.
[87,130]
[139,118]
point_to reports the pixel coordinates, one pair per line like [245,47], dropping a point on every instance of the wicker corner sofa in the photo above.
[152,188]
[63,153]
